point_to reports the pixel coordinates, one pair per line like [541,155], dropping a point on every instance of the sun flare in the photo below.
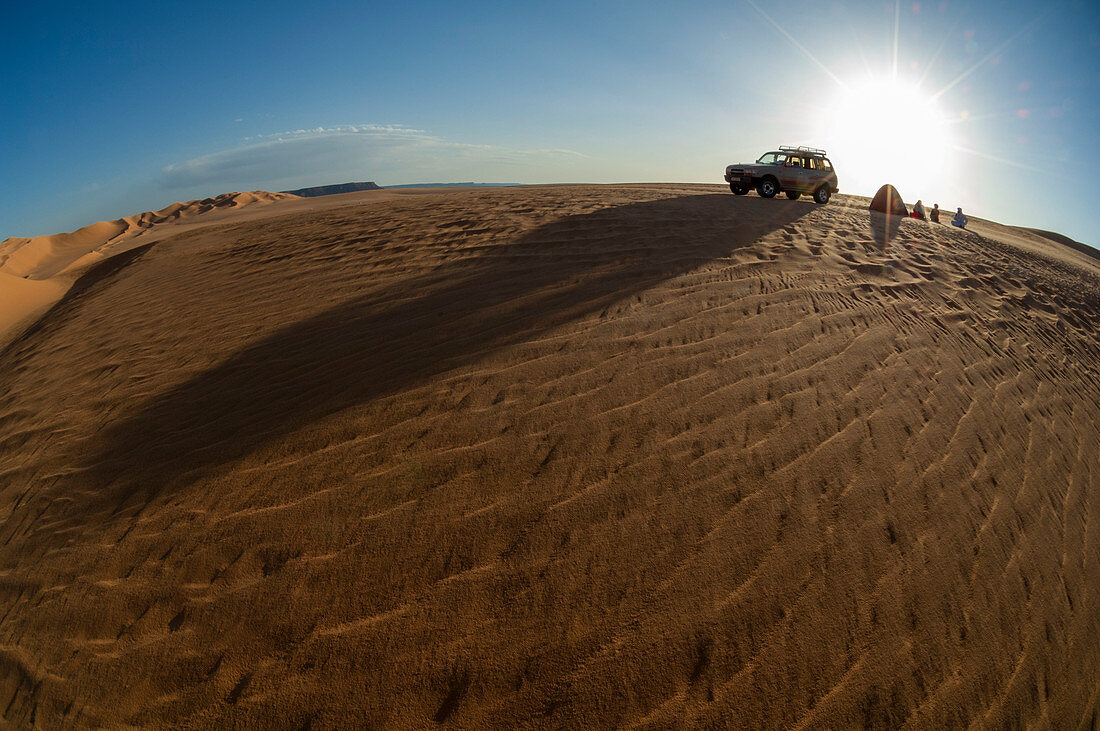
[888,132]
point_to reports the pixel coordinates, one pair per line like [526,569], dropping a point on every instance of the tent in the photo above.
[888,200]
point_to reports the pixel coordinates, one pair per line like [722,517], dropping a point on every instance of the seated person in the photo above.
[935,214]
[918,211]
[960,220]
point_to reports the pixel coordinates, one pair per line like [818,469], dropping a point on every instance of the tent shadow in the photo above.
[884,227]
[380,344]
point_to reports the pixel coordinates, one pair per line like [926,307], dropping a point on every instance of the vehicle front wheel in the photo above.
[767,188]
[821,195]
[738,189]
[793,196]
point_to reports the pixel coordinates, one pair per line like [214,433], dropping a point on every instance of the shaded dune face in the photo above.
[623,455]
[452,311]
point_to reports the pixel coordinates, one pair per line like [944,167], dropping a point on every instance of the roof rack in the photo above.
[808,150]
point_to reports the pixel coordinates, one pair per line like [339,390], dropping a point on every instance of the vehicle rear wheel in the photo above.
[767,188]
[821,195]
[738,189]
[793,196]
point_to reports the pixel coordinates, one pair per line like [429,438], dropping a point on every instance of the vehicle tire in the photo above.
[821,195]
[767,188]
[738,189]
[793,196]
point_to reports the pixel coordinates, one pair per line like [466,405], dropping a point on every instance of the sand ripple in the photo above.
[558,456]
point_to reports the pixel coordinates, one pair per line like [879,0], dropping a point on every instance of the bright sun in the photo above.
[888,132]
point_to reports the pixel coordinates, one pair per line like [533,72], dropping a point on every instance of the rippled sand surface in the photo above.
[557,456]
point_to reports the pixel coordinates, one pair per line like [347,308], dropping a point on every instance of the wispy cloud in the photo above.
[378,130]
[385,153]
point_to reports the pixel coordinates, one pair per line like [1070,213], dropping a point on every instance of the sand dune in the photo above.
[35,272]
[19,297]
[557,456]
[43,257]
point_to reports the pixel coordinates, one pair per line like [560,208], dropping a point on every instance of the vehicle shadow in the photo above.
[385,342]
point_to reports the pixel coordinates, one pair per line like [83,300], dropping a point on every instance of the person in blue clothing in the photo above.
[959,220]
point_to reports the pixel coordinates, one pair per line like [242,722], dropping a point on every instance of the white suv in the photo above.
[790,170]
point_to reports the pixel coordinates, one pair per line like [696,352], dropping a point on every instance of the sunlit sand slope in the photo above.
[35,272]
[557,457]
[42,257]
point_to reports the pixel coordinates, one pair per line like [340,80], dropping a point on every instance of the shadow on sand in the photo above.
[884,227]
[421,327]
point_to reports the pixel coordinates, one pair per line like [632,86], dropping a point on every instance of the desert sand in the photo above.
[48,263]
[555,456]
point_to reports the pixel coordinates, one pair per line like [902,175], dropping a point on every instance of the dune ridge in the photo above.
[639,456]
[1066,241]
[43,257]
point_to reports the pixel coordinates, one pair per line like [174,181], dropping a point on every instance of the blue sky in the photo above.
[115,108]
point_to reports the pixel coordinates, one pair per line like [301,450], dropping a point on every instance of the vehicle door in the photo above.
[768,164]
[815,173]
[790,172]
[801,173]
[806,174]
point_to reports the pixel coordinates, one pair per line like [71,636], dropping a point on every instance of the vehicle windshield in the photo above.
[771,158]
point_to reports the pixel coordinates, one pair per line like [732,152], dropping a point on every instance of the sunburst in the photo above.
[886,128]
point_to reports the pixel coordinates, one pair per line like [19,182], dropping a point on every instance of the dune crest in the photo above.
[43,257]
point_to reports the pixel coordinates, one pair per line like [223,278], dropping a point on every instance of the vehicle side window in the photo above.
[825,164]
